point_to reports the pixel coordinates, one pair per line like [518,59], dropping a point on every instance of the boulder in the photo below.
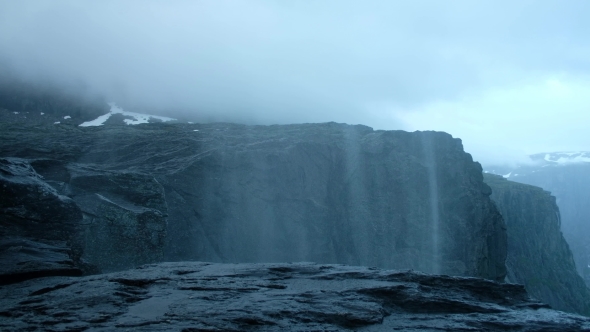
[124,213]
[38,226]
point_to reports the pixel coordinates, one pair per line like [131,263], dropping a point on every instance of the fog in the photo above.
[509,78]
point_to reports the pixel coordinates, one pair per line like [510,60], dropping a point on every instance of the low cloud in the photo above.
[507,124]
[483,71]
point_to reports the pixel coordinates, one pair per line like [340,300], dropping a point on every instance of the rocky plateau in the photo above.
[195,296]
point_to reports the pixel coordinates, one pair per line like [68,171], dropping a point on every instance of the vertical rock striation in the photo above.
[538,255]
[330,193]
[335,193]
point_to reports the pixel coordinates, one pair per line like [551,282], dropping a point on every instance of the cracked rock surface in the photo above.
[195,296]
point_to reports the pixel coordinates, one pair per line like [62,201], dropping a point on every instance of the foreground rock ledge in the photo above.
[195,296]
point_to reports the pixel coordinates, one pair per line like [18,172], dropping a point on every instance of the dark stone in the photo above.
[538,255]
[22,259]
[570,184]
[329,193]
[197,296]
[124,217]
[38,226]
[31,207]
[115,221]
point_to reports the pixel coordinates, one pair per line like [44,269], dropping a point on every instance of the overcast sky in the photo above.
[508,77]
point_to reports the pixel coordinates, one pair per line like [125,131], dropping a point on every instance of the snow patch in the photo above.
[507,175]
[196,130]
[67,117]
[565,158]
[98,121]
[42,113]
[56,122]
[137,118]
[15,112]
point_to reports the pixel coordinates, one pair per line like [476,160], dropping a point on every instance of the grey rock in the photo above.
[22,259]
[31,207]
[124,213]
[194,296]
[538,255]
[335,194]
[569,182]
[124,217]
[330,193]
[38,226]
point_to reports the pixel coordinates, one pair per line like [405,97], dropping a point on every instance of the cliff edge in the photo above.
[538,255]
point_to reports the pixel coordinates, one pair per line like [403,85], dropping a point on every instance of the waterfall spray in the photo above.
[429,157]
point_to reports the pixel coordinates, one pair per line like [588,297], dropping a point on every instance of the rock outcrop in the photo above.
[38,227]
[329,193]
[89,221]
[124,222]
[197,296]
[538,255]
[567,177]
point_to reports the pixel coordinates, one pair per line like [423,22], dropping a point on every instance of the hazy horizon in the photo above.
[509,79]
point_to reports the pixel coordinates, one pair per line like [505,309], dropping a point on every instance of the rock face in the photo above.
[567,176]
[104,221]
[328,193]
[38,226]
[124,215]
[538,255]
[274,297]
[337,193]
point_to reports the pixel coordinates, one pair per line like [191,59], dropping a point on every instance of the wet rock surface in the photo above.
[23,259]
[194,296]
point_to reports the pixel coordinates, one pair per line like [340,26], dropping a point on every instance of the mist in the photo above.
[508,78]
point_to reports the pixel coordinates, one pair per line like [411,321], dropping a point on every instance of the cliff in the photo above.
[538,255]
[329,193]
[567,176]
[79,200]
